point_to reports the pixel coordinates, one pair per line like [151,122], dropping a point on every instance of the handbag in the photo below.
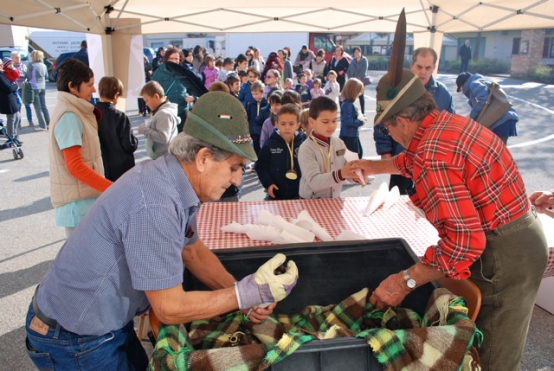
[28,93]
[496,106]
[366,80]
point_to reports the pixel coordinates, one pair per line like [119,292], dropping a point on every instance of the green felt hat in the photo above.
[220,119]
[392,99]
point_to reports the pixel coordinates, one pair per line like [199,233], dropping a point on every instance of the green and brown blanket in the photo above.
[400,339]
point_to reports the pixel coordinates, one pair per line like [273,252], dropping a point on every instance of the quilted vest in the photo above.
[64,187]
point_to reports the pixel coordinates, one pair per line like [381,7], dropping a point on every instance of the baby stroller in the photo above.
[10,143]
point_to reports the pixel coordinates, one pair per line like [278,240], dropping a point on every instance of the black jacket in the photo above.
[274,162]
[342,65]
[465,52]
[116,141]
[8,100]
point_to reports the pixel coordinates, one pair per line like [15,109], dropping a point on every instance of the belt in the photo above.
[43,317]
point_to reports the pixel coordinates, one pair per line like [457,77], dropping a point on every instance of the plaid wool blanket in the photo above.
[442,340]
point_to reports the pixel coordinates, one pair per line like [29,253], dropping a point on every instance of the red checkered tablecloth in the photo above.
[402,220]
[334,214]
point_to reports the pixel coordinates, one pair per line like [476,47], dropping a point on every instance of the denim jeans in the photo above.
[464,65]
[27,107]
[61,350]
[40,108]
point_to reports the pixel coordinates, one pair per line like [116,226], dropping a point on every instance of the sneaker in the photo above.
[18,142]
[31,123]
[38,128]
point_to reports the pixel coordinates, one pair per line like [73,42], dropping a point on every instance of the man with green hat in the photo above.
[127,254]
[469,187]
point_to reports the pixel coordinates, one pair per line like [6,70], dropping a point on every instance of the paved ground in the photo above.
[29,240]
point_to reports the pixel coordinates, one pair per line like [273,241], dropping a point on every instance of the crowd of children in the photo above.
[292,119]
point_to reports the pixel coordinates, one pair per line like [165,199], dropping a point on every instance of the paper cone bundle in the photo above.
[267,218]
[305,220]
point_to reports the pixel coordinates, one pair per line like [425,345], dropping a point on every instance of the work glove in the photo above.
[265,287]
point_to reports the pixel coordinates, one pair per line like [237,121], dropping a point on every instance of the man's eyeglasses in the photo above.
[384,129]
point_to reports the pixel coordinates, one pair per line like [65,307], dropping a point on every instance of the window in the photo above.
[548,49]
[322,42]
[515,45]
[524,47]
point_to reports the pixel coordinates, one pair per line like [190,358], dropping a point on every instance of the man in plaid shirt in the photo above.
[470,189]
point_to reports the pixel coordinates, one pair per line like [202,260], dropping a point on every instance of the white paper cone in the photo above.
[349,236]
[267,218]
[289,238]
[321,233]
[235,227]
[306,221]
[264,233]
[376,199]
[350,156]
[392,198]
[307,225]
[360,175]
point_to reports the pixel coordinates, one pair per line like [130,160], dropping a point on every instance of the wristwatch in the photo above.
[410,282]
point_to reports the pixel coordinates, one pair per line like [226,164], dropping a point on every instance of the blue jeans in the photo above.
[464,66]
[61,350]
[27,107]
[40,108]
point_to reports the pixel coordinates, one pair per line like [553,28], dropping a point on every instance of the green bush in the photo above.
[482,66]
[381,63]
[543,74]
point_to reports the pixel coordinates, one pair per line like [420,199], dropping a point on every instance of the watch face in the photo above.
[411,283]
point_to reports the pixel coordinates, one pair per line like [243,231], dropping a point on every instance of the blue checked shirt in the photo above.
[130,241]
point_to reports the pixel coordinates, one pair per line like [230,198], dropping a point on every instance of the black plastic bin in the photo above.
[329,272]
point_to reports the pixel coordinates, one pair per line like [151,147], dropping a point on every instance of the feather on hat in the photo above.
[399,87]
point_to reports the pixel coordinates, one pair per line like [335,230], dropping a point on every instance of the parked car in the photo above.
[53,75]
[5,51]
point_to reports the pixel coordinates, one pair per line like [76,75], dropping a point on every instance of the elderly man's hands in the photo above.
[265,286]
[390,293]
[258,314]
[542,200]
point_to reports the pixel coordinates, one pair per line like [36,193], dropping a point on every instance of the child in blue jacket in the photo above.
[253,108]
[349,121]
[277,166]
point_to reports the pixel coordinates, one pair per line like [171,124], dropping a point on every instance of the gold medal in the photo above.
[291,174]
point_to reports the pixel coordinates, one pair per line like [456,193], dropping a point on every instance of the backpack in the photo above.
[28,92]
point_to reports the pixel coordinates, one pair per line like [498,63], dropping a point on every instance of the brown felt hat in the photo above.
[220,119]
[392,99]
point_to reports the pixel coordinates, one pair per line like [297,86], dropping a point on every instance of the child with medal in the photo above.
[321,156]
[277,166]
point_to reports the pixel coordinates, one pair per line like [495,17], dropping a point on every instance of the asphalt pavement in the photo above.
[29,239]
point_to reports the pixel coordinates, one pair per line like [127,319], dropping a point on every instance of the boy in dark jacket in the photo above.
[253,108]
[277,166]
[114,131]
[245,94]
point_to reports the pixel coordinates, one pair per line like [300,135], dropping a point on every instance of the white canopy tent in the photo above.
[119,21]
[95,16]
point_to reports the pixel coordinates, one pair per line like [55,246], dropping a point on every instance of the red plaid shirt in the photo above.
[466,182]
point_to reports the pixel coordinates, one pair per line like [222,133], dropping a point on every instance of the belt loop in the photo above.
[534,212]
[57,330]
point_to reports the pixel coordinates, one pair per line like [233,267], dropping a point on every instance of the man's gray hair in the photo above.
[14,53]
[417,110]
[185,147]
